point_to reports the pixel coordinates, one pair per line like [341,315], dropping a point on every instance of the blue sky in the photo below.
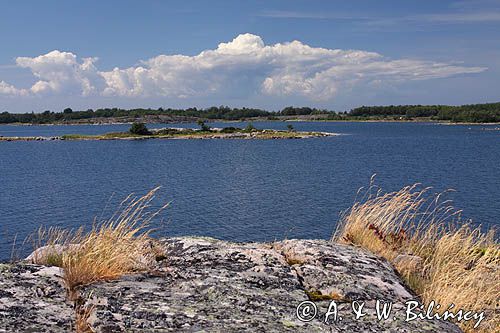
[93,54]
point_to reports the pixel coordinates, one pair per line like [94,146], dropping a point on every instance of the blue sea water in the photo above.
[241,190]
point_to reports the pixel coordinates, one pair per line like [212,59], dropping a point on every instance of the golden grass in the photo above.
[459,263]
[82,319]
[108,250]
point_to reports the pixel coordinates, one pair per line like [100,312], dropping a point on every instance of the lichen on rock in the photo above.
[33,299]
[209,285]
[215,286]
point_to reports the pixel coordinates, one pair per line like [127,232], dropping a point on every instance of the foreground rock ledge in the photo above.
[209,285]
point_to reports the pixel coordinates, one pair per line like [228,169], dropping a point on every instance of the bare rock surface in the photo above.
[345,272]
[33,299]
[209,285]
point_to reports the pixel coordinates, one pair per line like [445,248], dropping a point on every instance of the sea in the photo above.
[240,190]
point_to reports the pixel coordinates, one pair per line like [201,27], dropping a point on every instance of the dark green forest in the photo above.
[474,113]
[213,113]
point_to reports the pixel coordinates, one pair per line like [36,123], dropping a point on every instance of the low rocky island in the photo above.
[204,284]
[182,133]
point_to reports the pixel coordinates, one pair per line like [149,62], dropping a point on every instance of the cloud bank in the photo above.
[244,66]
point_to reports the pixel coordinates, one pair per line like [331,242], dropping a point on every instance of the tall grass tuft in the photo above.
[108,250]
[441,257]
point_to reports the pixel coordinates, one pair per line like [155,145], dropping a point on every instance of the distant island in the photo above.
[472,113]
[139,131]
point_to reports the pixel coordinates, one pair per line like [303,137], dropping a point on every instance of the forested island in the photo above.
[471,113]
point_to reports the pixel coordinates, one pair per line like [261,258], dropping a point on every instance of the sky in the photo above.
[268,54]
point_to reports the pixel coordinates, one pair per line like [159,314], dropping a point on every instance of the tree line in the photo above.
[221,112]
[478,113]
[474,113]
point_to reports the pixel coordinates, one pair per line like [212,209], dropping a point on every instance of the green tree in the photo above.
[290,128]
[204,127]
[249,127]
[139,129]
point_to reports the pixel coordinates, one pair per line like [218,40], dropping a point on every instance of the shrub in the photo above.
[230,129]
[139,129]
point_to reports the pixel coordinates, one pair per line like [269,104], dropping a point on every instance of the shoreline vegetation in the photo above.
[439,257]
[487,113]
[139,131]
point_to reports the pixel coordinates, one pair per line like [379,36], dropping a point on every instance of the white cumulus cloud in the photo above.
[8,89]
[61,72]
[244,66]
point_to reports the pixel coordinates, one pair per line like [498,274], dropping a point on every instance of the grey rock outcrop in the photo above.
[208,285]
[33,299]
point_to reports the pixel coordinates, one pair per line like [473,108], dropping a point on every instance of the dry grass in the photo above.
[109,250]
[459,263]
[82,319]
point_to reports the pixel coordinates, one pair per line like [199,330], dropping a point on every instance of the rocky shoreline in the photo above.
[204,284]
[31,138]
[181,135]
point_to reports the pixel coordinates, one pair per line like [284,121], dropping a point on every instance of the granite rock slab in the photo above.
[208,285]
[33,299]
